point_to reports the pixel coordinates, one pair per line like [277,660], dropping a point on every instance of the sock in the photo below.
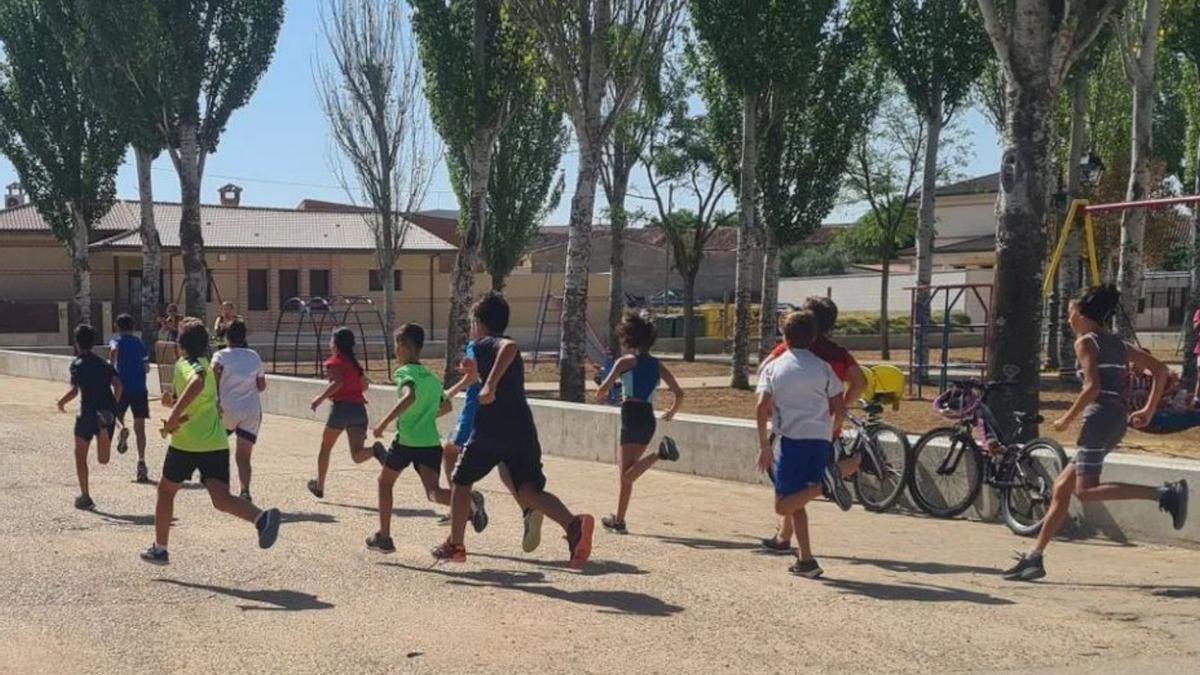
[158,549]
[1033,555]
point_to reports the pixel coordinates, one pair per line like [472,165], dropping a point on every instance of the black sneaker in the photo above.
[378,542]
[479,516]
[84,503]
[774,545]
[245,494]
[156,556]
[1174,500]
[809,569]
[611,524]
[835,488]
[667,449]
[143,474]
[1028,568]
[268,527]
[315,489]
[123,441]
[380,452]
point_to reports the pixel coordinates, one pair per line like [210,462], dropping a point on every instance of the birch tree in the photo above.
[1182,29]
[370,94]
[579,39]
[1036,43]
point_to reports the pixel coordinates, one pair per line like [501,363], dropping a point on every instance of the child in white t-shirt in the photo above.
[798,395]
[240,380]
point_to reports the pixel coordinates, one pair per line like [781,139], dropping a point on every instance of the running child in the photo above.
[221,326]
[640,374]
[129,357]
[416,443]
[240,382]
[199,443]
[800,396]
[347,391]
[505,433]
[99,389]
[1104,359]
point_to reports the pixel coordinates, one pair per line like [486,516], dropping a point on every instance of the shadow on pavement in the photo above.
[595,568]
[534,583]
[397,512]
[277,601]
[914,566]
[307,517]
[703,544]
[1175,592]
[914,592]
[126,519]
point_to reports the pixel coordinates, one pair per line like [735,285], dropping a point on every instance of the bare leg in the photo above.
[387,481]
[139,431]
[103,446]
[328,438]
[1060,503]
[800,522]
[218,491]
[506,478]
[81,465]
[793,506]
[848,466]
[358,441]
[460,510]
[449,459]
[430,480]
[786,529]
[633,465]
[244,449]
[164,511]
[546,502]
[1089,489]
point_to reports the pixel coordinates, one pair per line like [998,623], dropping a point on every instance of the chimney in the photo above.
[14,196]
[231,195]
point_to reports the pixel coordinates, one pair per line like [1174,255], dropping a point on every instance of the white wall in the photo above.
[964,217]
[860,292]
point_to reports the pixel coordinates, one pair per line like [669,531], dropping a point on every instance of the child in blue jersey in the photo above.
[129,357]
[640,374]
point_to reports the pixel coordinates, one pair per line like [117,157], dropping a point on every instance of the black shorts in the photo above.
[637,423]
[181,465]
[523,457]
[138,404]
[400,457]
[343,416]
[87,425]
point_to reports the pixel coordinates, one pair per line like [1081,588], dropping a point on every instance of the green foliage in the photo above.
[1176,259]
[897,324]
[814,261]
[65,149]
[865,239]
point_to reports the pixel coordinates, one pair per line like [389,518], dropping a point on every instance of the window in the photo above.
[318,283]
[257,290]
[397,280]
[289,286]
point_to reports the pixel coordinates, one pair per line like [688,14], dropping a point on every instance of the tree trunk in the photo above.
[1055,215]
[1189,332]
[191,237]
[387,274]
[689,315]
[572,351]
[1069,271]
[885,338]
[151,250]
[498,282]
[1131,265]
[926,228]
[462,282]
[1021,244]
[81,270]
[768,323]
[747,232]
[616,291]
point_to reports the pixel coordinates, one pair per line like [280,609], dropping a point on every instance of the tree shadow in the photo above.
[594,568]
[625,603]
[922,567]
[281,600]
[308,517]
[1174,592]
[397,512]
[914,592]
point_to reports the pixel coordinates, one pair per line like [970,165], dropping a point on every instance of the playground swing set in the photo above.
[305,325]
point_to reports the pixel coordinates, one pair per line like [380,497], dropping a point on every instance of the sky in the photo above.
[278,149]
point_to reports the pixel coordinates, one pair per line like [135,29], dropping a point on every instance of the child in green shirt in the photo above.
[417,442]
[199,443]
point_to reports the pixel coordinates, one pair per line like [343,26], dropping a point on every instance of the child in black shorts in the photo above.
[128,355]
[99,387]
[504,432]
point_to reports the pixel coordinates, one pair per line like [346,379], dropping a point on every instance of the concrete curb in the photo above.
[714,447]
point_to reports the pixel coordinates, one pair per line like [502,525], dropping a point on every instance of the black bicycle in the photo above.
[950,468]
[886,458]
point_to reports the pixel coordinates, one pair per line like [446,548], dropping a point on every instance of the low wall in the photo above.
[713,447]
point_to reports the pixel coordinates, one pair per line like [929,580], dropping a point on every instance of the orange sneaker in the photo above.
[579,539]
[450,552]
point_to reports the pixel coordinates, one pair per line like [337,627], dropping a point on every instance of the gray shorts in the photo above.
[1104,426]
[343,416]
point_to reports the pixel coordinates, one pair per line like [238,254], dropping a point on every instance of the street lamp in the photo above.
[1091,171]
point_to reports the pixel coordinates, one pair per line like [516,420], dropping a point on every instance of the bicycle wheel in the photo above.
[947,473]
[886,465]
[1025,500]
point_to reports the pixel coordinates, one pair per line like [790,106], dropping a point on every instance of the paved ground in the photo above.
[686,593]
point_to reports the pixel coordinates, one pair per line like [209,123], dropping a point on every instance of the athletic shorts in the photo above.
[138,404]
[180,466]
[801,464]
[637,423]
[480,455]
[461,433]
[244,423]
[400,457]
[87,425]
[343,416]
[1103,429]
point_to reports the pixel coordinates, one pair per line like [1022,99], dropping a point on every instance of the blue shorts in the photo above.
[462,432]
[800,464]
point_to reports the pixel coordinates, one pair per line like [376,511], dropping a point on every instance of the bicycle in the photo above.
[950,468]
[886,458]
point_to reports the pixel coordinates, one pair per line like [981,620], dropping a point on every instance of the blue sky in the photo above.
[277,147]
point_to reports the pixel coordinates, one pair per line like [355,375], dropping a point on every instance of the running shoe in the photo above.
[123,441]
[448,552]
[479,516]
[143,474]
[156,556]
[773,544]
[836,489]
[809,569]
[84,503]
[1174,500]
[579,539]
[268,527]
[533,530]
[315,488]
[378,542]
[380,452]
[245,494]
[611,524]
[1028,568]
[667,449]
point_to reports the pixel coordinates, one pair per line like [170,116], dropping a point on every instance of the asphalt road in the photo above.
[685,592]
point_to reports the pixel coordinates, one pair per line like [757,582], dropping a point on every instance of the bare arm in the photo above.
[335,383]
[113,352]
[1085,354]
[195,385]
[261,383]
[67,398]
[406,401]
[504,359]
[623,364]
[446,407]
[762,418]
[856,384]
[117,387]
[1143,361]
[676,392]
